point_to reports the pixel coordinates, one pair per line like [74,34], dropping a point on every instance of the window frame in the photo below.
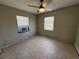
[23,28]
[52,24]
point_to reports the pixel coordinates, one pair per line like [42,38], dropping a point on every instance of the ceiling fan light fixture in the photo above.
[41,9]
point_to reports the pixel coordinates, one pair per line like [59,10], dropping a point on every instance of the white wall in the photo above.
[8,25]
[65,23]
[77,40]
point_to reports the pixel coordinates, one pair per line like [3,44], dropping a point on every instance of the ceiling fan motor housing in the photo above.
[41,1]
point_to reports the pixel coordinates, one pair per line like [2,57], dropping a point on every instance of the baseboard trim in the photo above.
[76,47]
[3,48]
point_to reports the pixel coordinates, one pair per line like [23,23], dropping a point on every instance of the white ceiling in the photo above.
[22,4]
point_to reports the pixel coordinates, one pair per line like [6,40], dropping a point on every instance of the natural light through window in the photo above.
[49,23]
[23,23]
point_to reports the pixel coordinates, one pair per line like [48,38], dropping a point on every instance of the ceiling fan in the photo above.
[42,7]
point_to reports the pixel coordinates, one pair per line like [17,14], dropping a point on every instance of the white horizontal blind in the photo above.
[49,23]
[23,24]
[22,21]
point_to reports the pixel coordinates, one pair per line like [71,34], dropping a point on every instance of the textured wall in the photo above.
[8,25]
[65,23]
[77,40]
[77,37]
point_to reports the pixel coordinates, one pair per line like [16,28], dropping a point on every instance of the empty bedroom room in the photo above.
[39,29]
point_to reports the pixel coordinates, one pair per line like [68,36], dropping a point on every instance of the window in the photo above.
[23,24]
[49,23]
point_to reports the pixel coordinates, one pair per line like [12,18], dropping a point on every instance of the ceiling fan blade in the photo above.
[44,5]
[37,11]
[33,6]
[48,9]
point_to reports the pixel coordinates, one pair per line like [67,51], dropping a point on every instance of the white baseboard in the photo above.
[77,48]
